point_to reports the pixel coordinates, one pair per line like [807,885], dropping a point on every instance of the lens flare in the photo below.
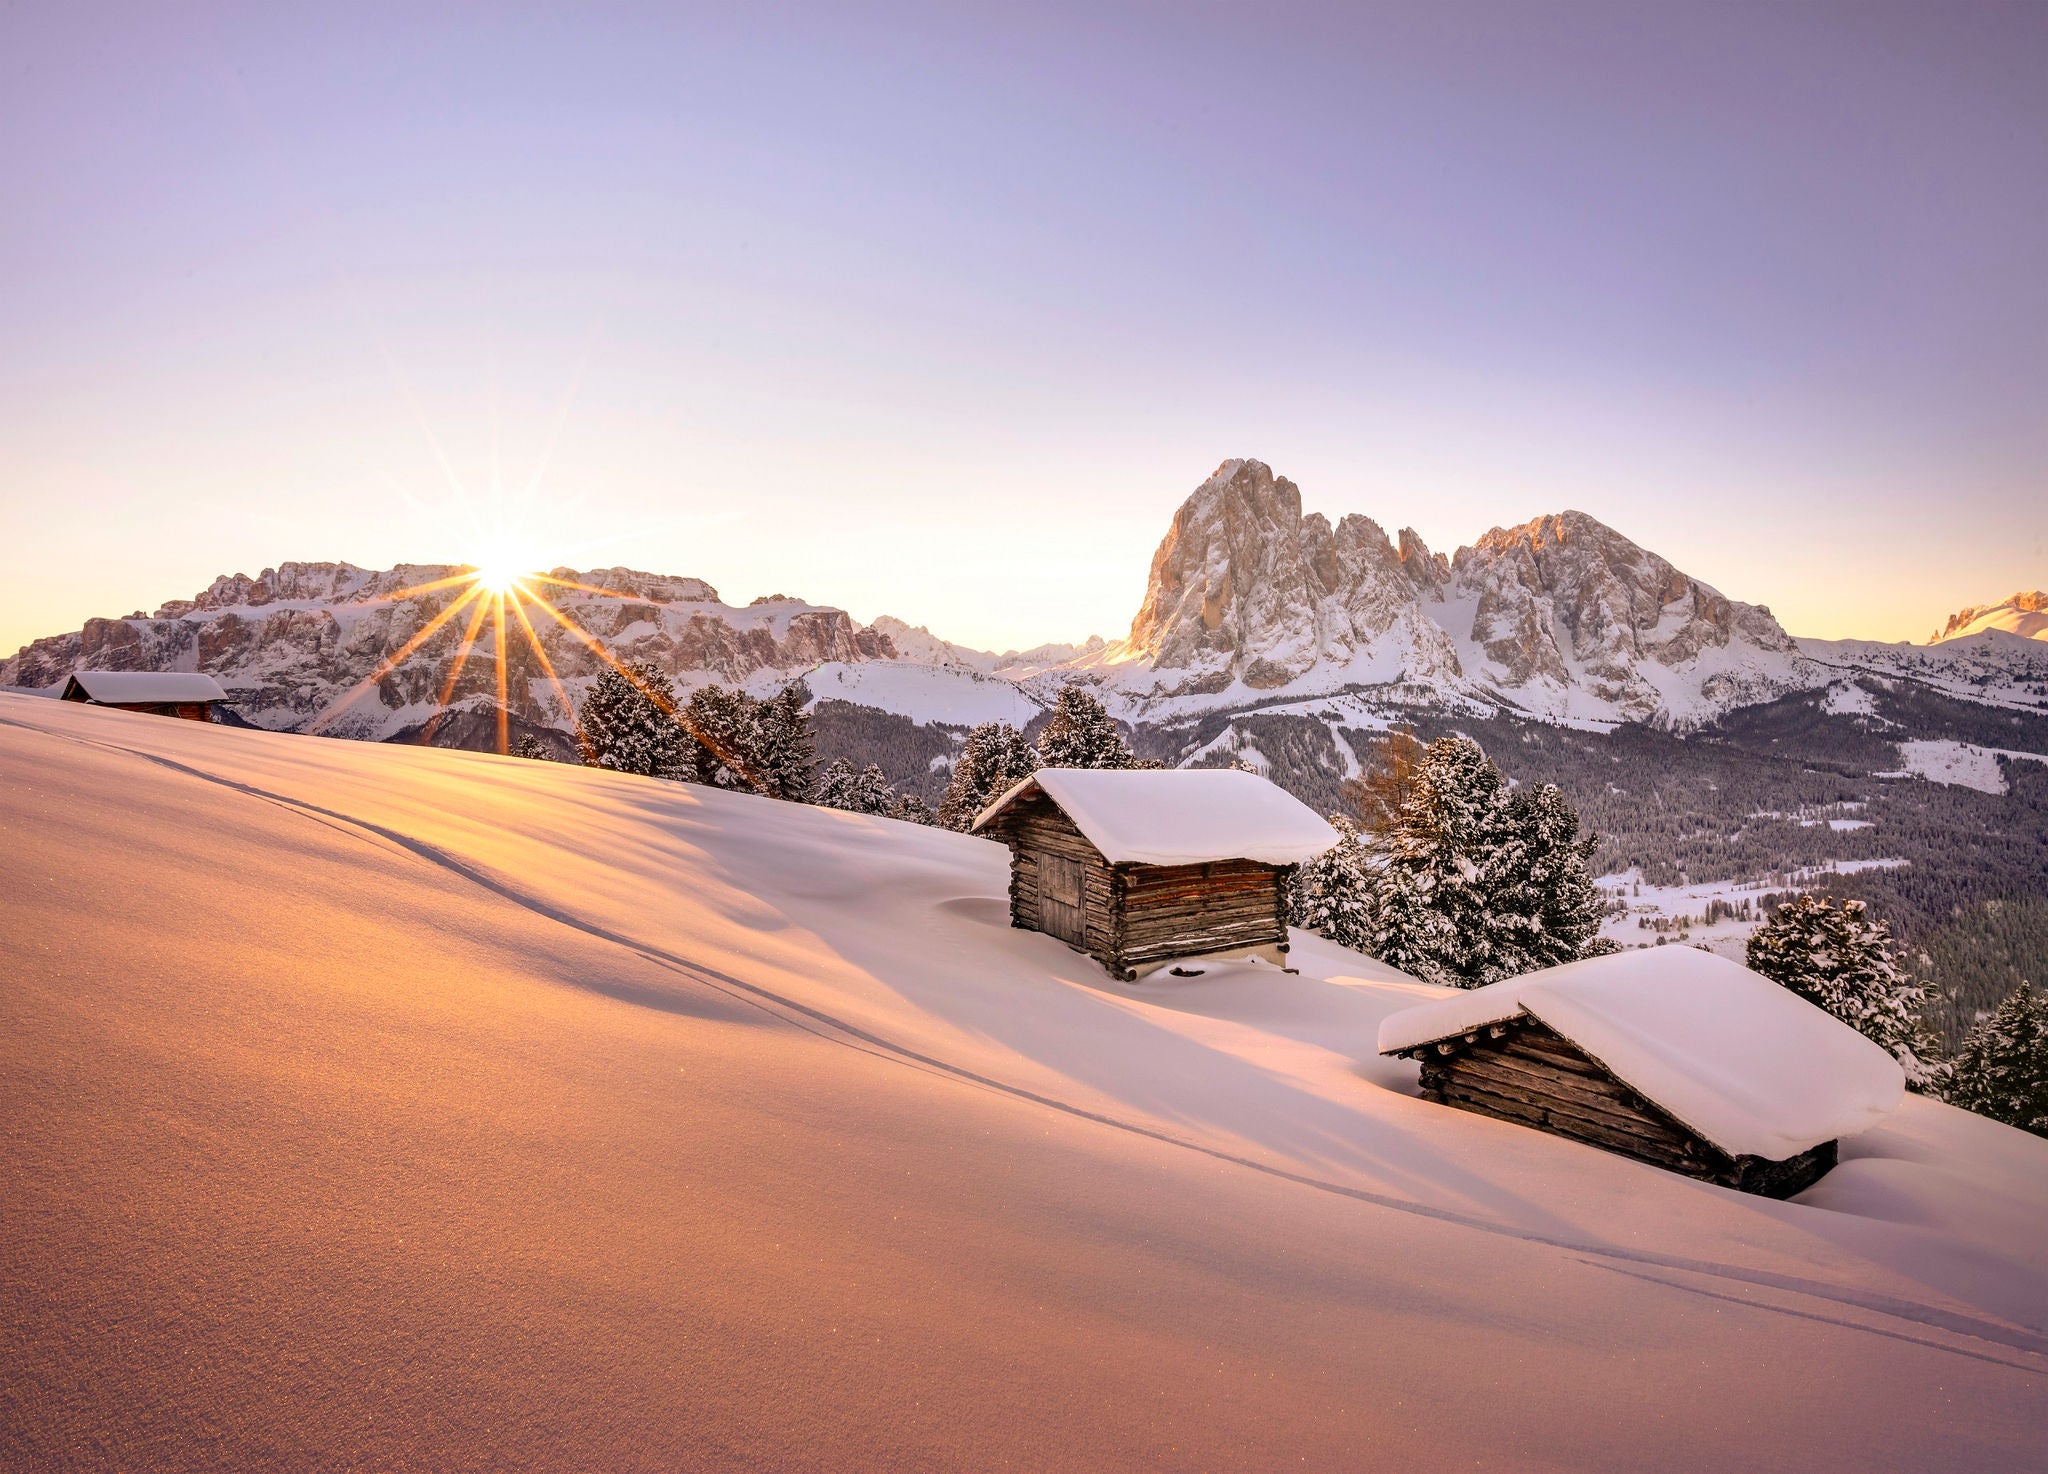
[488,590]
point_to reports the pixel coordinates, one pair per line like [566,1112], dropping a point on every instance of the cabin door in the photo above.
[1059,898]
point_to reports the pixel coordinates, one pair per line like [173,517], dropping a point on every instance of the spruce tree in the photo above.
[1548,906]
[627,723]
[912,809]
[994,757]
[1448,858]
[2002,1069]
[1082,735]
[1837,959]
[1332,895]
[835,783]
[725,728]
[865,792]
[532,749]
[785,758]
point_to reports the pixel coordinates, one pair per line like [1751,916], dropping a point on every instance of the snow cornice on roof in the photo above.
[1748,1065]
[1179,816]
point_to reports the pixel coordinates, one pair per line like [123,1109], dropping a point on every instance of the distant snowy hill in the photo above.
[916,643]
[2024,614]
[482,1113]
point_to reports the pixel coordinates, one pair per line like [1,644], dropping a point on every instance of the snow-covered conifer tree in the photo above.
[1332,895]
[865,792]
[533,749]
[912,809]
[2002,1069]
[785,758]
[724,724]
[835,782]
[1082,735]
[1449,854]
[627,723]
[994,757]
[1547,904]
[1837,959]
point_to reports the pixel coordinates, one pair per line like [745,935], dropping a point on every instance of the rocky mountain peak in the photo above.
[1568,600]
[2024,614]
[1246,589]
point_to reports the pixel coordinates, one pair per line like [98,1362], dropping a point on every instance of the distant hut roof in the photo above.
[1179,816]
[1749,1066]
[144,687]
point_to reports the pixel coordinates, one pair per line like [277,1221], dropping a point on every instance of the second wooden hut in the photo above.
[1670,1055]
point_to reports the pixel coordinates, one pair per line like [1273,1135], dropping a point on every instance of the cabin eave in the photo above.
[1520,1070]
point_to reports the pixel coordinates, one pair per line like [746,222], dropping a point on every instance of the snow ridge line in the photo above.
[1932,1317]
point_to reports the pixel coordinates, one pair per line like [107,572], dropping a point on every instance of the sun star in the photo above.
[489,591]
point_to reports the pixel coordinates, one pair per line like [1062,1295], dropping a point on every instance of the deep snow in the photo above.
[400,1107]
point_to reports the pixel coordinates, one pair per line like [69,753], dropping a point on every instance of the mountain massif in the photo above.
[1251,604]
[1561,617]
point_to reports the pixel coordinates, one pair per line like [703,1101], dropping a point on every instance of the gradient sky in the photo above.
[940,314]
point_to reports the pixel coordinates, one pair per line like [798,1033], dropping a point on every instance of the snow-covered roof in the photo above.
[140,687]
[1179,816]
[1750,1066]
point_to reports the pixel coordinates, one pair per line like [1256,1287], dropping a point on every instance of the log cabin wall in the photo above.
[1185,910]
[1036,830]
[1136,915]
[1525,1072]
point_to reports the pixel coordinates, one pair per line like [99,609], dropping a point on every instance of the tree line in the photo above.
[633,722]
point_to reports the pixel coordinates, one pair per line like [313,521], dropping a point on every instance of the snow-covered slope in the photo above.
[1992,667]
[916,643]
[2024,614]
[387,1106]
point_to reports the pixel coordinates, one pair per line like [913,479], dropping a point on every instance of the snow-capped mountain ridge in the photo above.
[1561,617]
[1251,604]
[292,643]
[2024,614]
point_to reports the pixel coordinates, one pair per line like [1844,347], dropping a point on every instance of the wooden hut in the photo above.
[1670,1055]
[187,694]
[1144,867]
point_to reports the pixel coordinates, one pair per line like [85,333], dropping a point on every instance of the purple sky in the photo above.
[935,314]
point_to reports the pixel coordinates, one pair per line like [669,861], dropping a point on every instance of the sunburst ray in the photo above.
[498,638]
[710,743]
[391,662]
[476,618]
[520,591]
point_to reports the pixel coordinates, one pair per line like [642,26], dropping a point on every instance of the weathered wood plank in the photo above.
[1607,1114]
